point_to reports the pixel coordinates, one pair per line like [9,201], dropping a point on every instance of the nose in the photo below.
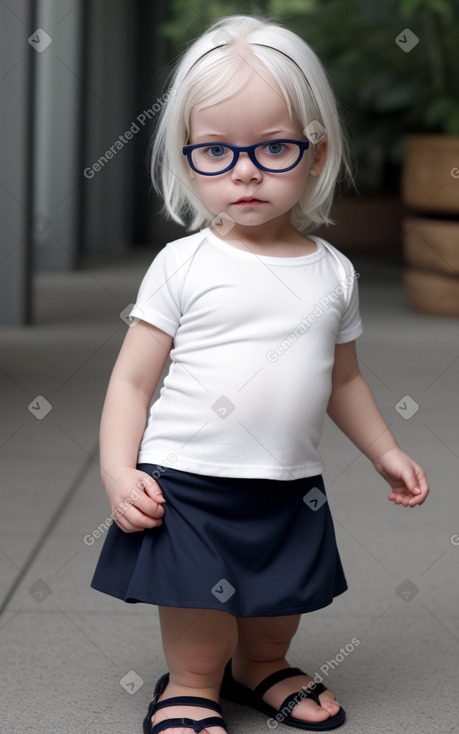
[245,169]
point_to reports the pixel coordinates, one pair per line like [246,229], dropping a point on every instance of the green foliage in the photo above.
[385,92]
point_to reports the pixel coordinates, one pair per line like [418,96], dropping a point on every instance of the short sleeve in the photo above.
[351,324]
[158,299]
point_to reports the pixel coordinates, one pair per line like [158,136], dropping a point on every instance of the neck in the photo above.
[272,239]
[265,235]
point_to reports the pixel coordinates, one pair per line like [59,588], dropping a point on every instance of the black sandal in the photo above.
[155,705]
[231,690]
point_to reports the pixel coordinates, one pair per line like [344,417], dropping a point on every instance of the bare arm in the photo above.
[131,387]
[353,408]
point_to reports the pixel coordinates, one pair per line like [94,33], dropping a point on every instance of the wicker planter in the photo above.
[430,184]
[430,180]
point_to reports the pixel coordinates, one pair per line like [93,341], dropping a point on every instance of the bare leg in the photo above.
[197,645]
[261,650]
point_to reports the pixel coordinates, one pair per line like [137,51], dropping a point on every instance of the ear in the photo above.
[319,156]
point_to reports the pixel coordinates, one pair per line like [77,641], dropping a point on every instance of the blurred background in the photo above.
[81,89]
[82,83]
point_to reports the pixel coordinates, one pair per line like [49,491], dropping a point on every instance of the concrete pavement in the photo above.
[79,662]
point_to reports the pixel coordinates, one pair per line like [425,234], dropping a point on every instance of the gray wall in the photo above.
[55,136]
[15,96]
[71,97]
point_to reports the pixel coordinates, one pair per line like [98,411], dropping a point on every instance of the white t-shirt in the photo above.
[254,339]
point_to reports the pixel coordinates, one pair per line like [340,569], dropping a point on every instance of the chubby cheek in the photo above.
[293,189]
[210,193]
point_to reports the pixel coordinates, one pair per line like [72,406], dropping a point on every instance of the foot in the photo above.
[190,712]
[251,673]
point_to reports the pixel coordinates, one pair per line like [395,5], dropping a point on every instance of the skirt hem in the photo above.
[231,609]
[250,547]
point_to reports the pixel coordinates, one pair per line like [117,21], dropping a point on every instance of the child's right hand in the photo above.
[135,499]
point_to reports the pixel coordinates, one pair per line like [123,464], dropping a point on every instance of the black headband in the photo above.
[263,45]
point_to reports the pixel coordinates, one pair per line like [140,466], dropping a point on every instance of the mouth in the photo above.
[249,201]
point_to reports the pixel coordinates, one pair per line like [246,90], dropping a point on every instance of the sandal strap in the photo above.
[312,692]
[197,726]
[206,703]
[276,677]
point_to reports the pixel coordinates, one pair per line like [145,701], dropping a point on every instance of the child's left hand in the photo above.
[405,476]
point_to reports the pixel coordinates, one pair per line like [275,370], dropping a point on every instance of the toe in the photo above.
[329,702]
[331,706]
[310,711]
[189,730]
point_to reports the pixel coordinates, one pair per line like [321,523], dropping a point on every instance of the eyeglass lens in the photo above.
[276,156]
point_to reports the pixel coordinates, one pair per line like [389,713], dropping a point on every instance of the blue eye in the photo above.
[216,151]
[275,148]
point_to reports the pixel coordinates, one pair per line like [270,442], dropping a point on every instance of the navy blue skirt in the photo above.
[250,547]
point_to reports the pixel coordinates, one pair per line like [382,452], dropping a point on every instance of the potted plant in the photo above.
[430,181]
[394,67]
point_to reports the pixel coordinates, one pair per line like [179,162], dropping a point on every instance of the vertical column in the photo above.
[109,128]
[15,123]
[56,153]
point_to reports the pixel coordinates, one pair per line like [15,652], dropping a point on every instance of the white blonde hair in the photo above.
[212,70]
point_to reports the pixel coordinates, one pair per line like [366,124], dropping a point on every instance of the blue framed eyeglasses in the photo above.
[273,156]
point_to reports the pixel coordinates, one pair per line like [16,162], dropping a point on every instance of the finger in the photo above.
[134,521]
[146,522]
[398,498]
[148,506]
[418,494]
[418,482]
[153,490]
[138,501]
[419,499]
[410,480]
[422,486]
[405,500]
